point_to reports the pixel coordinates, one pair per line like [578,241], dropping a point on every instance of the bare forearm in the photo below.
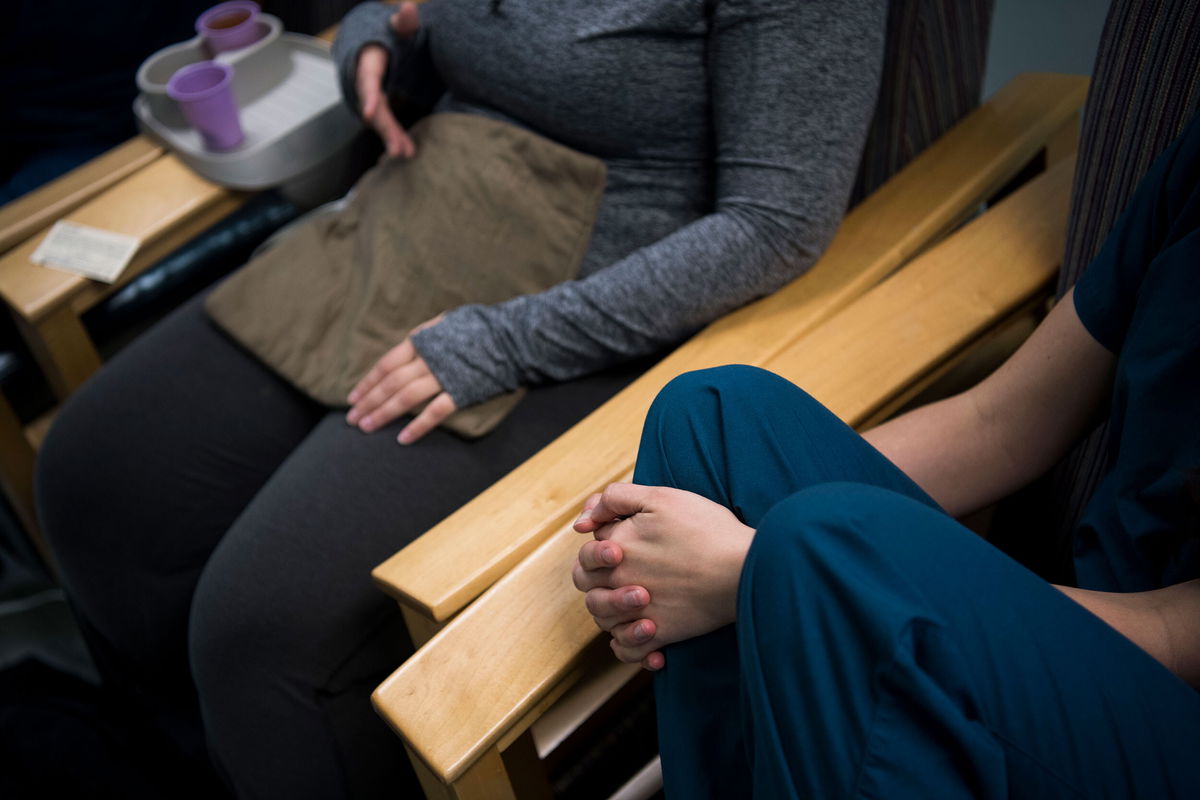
[971,449]
[948,449]
[1164,622]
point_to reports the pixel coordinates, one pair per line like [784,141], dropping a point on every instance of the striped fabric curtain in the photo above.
[933,62]
[1145,87]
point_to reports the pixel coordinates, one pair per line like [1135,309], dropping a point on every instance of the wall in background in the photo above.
[1042,36]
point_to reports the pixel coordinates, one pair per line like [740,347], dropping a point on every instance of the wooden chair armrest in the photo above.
[153,204]
[26,215]
[531,628]
[447,567]
[162,204]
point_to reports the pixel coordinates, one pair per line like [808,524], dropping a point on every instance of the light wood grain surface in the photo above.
[26,215]
[148,204]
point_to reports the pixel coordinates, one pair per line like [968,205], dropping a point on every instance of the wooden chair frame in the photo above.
[471,732]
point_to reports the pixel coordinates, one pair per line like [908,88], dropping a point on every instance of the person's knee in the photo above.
[270,612]
[733,383]
[700,402]
[835,537]
[241,630]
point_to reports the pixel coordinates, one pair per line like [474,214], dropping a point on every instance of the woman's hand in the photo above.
[372,66]
[664,567]
[399,382]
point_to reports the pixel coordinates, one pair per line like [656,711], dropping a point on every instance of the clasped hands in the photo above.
[663,567]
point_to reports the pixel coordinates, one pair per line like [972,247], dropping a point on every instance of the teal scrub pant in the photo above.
[881,649]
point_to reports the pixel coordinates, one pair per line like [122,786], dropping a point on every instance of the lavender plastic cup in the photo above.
[204,92]
[229,26]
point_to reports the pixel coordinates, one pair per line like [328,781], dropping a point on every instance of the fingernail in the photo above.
[367,423]
[405,437]
[353,398]
[608,555]
[352,418]
[640,632]
[633,598]
[585,515]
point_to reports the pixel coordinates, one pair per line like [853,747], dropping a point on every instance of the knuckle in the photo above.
[392,358]
[375,397]
[411,394]
[428,419]
[595,603]
[389,410]
[392,382]
[618,650]
[588,555]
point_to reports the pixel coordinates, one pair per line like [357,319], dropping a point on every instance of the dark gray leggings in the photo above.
[216,531]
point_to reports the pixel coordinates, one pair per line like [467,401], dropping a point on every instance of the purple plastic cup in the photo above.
[229,26]
[204,92]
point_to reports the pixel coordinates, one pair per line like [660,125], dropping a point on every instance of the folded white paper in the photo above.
[91,252]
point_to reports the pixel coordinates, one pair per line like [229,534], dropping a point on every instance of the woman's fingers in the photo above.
[408,396]
[406,20]
[372,65]
[391,389]
[399,382]
[392,360]
[396,140]
[431,416]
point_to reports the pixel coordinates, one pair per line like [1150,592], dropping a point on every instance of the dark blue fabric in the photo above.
[881,649]
[1140,298]
[745,438]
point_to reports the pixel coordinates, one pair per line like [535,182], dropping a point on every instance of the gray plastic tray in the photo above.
[291,109]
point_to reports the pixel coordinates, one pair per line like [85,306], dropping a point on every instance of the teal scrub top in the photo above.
[1140,299]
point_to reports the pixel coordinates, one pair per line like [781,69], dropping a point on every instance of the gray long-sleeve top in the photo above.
[731,130]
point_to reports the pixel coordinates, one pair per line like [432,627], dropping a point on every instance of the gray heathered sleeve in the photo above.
[410,76]
[794,85]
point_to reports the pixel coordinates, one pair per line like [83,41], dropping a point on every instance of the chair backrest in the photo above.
[1145,87]
[934,54]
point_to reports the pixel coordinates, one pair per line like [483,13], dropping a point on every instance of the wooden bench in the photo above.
[467,727]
